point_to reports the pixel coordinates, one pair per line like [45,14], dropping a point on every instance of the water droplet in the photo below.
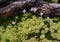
[13,22]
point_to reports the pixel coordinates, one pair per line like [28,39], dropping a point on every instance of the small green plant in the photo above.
[26,27]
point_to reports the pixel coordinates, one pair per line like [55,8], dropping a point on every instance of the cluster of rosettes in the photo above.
[29,26]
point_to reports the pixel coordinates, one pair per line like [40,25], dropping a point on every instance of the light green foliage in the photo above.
[28,27]
[55,1]
[9,35]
